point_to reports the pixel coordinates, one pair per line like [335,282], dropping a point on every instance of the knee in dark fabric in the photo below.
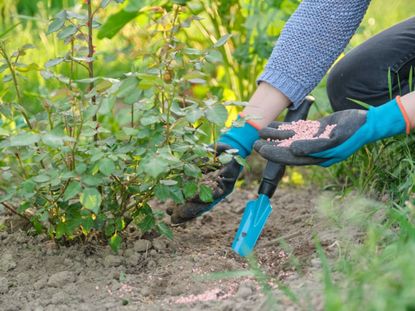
[338,87]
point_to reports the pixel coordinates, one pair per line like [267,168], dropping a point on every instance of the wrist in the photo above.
[404,115]
[408,103]
[265,105]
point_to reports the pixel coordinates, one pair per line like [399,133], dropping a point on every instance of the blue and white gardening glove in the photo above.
[223,180]
[337,136]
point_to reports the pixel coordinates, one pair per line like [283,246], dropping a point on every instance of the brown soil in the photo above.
[36,274]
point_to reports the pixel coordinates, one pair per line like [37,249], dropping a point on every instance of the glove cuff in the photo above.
[387,120]
[241,138]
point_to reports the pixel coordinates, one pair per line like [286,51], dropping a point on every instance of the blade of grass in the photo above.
[360,103]
[410,79]
[390,83]
[8,30]
[399,85]
[332,298]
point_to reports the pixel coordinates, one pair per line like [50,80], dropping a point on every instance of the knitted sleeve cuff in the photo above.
[285,84]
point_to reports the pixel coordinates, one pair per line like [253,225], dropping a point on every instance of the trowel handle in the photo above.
[274,172]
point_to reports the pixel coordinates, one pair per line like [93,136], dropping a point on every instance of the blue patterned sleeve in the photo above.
[310,42]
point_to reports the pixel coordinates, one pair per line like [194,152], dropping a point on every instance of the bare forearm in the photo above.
[265,105]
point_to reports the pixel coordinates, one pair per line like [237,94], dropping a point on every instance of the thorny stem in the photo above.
[14,211]
[78,135]
[91,55]
[19,160]
[132,121]
[6,57]
[72,64]
[170,44]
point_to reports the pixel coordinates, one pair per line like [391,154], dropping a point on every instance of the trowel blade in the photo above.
[253,221]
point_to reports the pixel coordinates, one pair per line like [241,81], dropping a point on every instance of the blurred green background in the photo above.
[26,21]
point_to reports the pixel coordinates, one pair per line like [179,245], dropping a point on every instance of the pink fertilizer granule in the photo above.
[209,295]
[304,130]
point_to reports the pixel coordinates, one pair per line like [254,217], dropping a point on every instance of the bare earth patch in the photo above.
[36,274]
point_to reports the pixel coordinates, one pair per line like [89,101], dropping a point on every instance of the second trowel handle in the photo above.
[274,172]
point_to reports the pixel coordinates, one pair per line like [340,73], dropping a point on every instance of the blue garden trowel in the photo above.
[257,211]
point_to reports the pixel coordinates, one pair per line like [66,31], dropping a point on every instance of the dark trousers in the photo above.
[363,73]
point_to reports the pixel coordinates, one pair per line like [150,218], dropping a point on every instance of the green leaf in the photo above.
[4,132]
[7,78]
[135,5]
[67,32]
[41,178]
[214,57]
[162,192]
[205,194]
[189,190]
[149,120]
[54,62]
[144,218]
[27,47]
[180,2]
[130,131]
[163,229]
[80,168]
[115,23]
[46,74]
[87,224]
[90,180]
[60,230]
[25,139]
[176,194]
[106,166]
[56,25]
[127,87]
[225,158]
[168,182]
[191,170]
[53,140]
[222,40]
[194,115]
[242,161]
[88,80]
[76,15]
[27,67]
[217,114]
[156,166]
[192,51]
[91,199]
[197,81]
[104,3]
[115,242]
[72,190]
[3,67]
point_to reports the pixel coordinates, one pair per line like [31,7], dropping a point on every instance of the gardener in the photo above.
[311,41]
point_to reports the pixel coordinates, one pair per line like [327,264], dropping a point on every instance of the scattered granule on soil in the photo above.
[304,130]
[209,295]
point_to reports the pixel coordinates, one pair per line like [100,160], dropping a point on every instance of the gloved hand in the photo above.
[222,184]
[338,136]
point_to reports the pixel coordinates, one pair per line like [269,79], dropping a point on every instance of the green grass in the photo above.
[378,273]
